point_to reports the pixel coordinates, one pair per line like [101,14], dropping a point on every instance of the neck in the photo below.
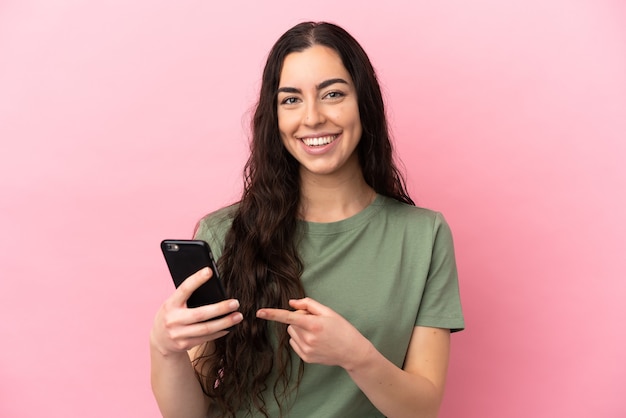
[332,198]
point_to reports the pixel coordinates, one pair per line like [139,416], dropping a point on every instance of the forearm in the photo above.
[395,392]
[175,385]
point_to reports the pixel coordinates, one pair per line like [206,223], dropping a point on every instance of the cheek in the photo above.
[354,122]
[358,127]
[347,116]
[284,131]
[286,123]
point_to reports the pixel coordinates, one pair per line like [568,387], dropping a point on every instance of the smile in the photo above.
[319,141]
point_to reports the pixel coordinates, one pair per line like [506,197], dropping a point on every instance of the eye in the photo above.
[289,101]
[334,95]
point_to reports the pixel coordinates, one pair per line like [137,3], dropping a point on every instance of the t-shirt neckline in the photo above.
[354,221]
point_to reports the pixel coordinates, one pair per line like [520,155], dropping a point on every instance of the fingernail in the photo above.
[238,317]
[234,304]
[260,314]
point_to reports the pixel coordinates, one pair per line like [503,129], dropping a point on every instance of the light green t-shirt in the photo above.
[386,269]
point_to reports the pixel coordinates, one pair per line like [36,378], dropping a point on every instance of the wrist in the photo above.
[361,356]
[159,349]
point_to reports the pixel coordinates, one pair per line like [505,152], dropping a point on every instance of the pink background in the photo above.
[122,123]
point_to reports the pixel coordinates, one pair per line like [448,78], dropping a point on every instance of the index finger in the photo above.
[190,284]
[284,316]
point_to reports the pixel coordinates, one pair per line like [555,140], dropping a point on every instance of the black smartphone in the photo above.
[186,257]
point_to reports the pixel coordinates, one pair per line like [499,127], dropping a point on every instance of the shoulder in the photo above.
[213,227]
[218,218]
[412,217]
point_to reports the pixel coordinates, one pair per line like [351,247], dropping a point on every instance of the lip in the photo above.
[318,135]
[319,149]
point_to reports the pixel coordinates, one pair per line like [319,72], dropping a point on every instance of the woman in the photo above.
[346,292]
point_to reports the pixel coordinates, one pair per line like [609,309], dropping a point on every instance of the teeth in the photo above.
[322,140]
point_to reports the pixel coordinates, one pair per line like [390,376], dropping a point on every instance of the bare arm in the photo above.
[415,390]
[177,330]
[320,335]
[175,385]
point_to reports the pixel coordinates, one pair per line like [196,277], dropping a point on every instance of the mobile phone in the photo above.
[186,257]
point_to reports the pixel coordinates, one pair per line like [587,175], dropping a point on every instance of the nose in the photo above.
[313,114]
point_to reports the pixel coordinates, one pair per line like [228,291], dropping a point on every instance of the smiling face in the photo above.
[318,113]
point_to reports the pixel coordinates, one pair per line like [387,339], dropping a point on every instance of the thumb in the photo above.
[310,305]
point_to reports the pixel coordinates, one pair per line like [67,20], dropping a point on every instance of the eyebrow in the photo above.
[320,86]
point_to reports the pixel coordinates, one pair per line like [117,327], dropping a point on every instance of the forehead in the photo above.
[312,65]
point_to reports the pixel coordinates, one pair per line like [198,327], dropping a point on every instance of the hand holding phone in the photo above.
[186,257]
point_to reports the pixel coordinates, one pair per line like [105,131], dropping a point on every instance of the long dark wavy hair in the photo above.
[260,264]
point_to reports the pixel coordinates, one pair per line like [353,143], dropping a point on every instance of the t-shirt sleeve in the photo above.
[440,306]
[213,228]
